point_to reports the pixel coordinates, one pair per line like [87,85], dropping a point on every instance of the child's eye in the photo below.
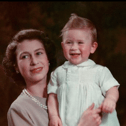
[68,42]
[80,42]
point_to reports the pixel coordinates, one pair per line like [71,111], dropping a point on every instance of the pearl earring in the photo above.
[49,63]
[17,71]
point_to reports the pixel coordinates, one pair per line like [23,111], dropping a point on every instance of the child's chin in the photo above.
[75,62]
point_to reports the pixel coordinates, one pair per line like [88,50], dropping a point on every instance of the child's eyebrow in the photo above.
[68,40]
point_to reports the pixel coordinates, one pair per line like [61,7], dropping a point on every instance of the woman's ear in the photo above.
[94,47]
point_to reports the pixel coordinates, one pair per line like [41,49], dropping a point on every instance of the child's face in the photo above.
[77,45]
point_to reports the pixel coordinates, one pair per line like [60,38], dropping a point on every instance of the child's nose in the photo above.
[74,46]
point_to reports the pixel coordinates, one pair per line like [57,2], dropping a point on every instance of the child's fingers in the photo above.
[108,108]
[105,108]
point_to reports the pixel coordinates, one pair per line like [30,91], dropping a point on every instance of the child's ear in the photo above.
[62,44]
[94,47]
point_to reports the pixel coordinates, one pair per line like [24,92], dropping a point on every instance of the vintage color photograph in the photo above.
[50,17]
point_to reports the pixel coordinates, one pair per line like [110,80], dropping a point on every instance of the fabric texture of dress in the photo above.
[25,112]
[78,86]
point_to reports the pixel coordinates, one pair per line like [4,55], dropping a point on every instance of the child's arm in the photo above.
[53,110]
[109,104]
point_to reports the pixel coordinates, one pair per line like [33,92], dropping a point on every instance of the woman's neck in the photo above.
[37,89]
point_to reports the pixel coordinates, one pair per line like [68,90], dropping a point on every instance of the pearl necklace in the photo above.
[34,99]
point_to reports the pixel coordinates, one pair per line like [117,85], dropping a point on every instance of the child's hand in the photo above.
[55,121]
[108,105]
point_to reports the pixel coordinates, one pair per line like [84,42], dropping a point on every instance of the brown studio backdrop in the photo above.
[110,21]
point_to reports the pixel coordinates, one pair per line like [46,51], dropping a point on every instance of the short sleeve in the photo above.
[52,85]
[18,117]
[107,80]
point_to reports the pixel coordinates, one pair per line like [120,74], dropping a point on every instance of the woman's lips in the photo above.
[36,70]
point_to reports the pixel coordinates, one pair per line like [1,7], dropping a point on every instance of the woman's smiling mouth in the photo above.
[36,70]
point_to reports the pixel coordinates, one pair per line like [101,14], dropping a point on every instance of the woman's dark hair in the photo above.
[9,61]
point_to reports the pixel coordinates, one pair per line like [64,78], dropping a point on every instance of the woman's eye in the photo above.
[24,57]
[39,53]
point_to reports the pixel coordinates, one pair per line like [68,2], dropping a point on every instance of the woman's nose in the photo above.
[34,60]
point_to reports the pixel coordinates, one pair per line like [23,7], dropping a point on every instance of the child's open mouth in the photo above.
[75,55]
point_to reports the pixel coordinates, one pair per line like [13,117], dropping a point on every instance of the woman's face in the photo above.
[32,61]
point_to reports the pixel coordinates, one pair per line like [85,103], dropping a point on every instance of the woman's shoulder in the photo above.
[24,111]
[20,102]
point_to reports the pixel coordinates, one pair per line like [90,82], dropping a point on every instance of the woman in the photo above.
[29,57]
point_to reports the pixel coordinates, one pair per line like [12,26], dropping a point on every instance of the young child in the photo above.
[79,82]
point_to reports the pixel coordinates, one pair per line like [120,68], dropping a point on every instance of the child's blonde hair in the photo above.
[76,22]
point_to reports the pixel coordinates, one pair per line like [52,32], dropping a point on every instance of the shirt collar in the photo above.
[87,63]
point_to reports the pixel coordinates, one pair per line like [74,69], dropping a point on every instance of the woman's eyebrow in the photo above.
[39,49]
[25,52]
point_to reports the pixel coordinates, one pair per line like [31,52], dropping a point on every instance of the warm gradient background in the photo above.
[110,21]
